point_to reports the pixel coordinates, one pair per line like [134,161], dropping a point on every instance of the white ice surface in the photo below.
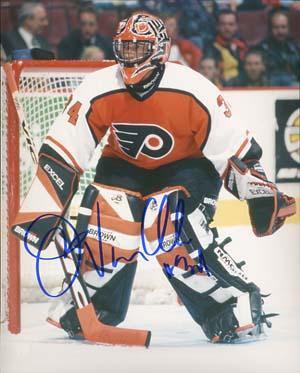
[178,345]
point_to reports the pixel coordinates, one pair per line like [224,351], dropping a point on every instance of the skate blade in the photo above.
[250,339]
[249,335]
[246,334]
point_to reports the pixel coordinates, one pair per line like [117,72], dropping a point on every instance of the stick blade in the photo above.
[95,331]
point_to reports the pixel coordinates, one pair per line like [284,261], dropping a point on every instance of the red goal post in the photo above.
[44,87]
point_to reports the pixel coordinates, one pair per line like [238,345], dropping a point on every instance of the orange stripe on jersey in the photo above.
[68,154]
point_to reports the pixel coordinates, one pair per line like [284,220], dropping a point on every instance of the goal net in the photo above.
[44,88]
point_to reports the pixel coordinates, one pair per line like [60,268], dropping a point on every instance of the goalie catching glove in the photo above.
[268,208]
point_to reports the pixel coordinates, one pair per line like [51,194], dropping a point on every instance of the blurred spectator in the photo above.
[32,19]
[254,71]
[294,5]
[197,22]
[210,68]
[232,49]
[182,50]
[282,53]
[92,54]
[229,4]
[291,4]
[158,6]
[71,47]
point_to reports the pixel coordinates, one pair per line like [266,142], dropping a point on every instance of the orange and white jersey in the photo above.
[185,117]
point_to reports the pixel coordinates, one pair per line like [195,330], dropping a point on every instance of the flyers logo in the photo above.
[147,139]
[142,27]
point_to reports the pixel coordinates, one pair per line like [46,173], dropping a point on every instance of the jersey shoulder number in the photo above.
[222,103]
[73,113]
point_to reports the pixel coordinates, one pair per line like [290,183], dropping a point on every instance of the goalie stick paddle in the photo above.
[12,85]
[92,328]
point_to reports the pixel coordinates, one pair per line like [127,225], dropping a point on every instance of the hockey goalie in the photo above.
[171,133]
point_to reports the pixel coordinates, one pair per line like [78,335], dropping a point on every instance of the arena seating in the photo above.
[63,17]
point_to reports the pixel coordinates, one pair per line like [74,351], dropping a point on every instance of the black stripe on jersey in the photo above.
[90,109]
[199,103]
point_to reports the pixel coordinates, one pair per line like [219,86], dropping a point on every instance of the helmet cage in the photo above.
[131,53]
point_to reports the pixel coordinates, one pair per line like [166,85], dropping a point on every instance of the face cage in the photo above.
[131,53]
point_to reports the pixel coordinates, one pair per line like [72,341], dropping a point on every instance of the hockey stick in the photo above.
[93,329]
[18,106]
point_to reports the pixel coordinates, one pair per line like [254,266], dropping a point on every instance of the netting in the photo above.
[43,97]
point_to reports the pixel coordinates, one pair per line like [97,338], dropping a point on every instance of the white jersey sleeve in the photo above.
[226,137]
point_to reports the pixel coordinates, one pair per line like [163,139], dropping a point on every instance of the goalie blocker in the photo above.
[48,198]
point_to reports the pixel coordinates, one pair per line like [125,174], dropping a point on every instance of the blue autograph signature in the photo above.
[78,243]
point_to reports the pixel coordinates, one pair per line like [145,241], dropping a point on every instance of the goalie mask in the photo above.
[141,43]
